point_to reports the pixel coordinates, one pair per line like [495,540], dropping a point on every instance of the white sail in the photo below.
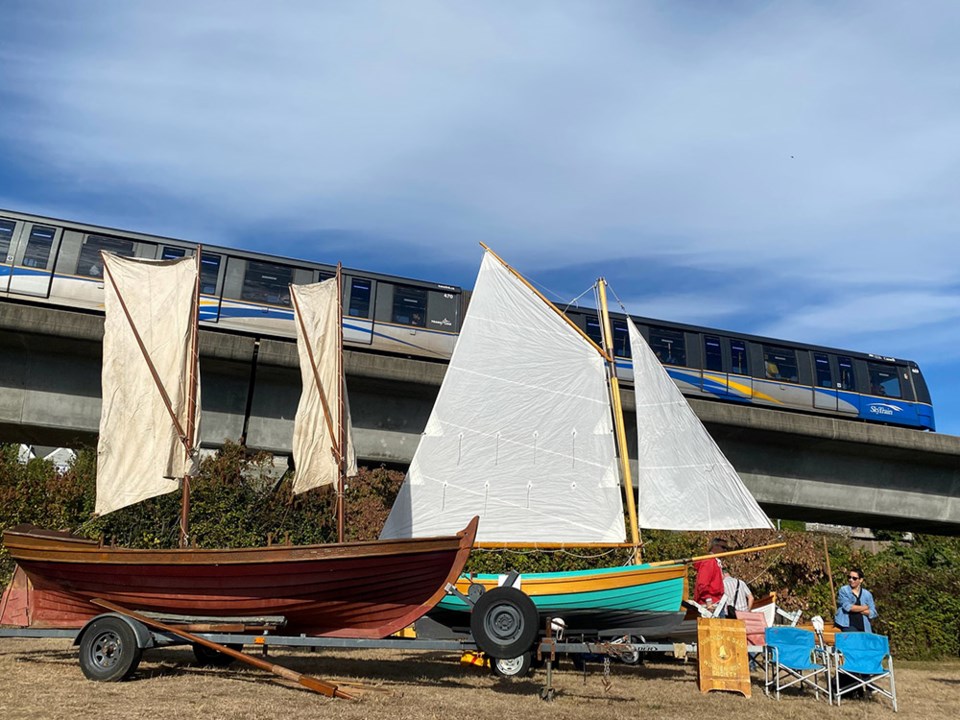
[685,481]
[315,428]
[521,433]
[140,453]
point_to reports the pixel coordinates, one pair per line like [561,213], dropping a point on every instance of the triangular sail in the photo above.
[316,426]
[521,432]
[147,357]
[685,481]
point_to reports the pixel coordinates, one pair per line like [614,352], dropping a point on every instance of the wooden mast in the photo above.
[341,453]
[190,439]
[618,420]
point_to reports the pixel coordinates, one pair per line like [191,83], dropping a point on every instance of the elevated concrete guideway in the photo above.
[802,467]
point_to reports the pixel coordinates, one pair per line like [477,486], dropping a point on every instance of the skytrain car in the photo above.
[58,262]
[747,369]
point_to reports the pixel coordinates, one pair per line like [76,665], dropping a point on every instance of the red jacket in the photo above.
[709,585]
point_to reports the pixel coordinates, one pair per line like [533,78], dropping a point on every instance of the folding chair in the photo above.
[756,625]
[791,657]
[859,665]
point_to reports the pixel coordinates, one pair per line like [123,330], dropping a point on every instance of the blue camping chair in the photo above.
[794,659]
[859,660]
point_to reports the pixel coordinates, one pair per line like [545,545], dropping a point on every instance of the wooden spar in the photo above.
[191,434]
[728,553]
[490,545]
[341,434]
[833,593]
[549,304]
[307,681]
[618,421]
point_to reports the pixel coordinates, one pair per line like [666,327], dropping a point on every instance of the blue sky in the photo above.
[785,169]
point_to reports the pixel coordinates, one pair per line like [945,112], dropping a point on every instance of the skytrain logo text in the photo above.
[884,409]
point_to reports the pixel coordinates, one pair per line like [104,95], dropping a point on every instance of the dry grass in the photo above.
[41,680]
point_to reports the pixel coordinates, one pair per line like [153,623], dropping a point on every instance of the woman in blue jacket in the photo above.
[855,606]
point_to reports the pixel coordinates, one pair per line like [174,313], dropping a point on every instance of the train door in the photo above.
[359,301]
[739,380]
[33,258]
[715,380]
[848,399]
[8,243]
[825,395]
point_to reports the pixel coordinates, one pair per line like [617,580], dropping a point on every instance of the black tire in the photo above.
[109,651]
[213,658]
[519,666]
[504,623]
[579,661]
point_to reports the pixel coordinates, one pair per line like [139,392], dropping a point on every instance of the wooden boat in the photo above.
[527,432]
[358,589]
[148,427]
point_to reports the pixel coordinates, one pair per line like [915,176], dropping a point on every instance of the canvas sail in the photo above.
[685,481]
[315,429]
[140,452]
[521,433]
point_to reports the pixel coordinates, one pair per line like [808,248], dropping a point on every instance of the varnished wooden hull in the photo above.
[364,589]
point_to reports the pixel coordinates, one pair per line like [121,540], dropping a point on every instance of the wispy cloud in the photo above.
[786,168]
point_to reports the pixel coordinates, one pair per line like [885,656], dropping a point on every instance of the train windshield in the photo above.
[884,380]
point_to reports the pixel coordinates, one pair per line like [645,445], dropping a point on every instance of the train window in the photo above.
[409,306]
[6,235]
[90,263]
[884,380]
[738,357]
[593,329]
[712,354]
[360,291]
[621,339]
[39,244]
[621,336]
[173,253]
[848,379]
[267,283]
[209,267]
[822,366]
[209,273]
[780,364]
[668,345]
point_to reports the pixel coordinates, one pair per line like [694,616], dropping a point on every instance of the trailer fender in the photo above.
[144,636]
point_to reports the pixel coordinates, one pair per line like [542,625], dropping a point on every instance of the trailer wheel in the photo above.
[214,658]
[504,622]
[109,651]
[519,666]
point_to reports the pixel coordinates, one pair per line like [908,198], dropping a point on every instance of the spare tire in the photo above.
[504,622]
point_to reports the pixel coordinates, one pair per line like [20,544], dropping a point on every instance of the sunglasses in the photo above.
[852,577]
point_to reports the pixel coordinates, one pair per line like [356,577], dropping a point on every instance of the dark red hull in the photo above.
[368,589]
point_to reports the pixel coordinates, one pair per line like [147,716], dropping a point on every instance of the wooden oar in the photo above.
[728,553]
[307,681]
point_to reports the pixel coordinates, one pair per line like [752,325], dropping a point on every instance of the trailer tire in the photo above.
[213,658]
[520,666]
[504,622]
[109,651]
